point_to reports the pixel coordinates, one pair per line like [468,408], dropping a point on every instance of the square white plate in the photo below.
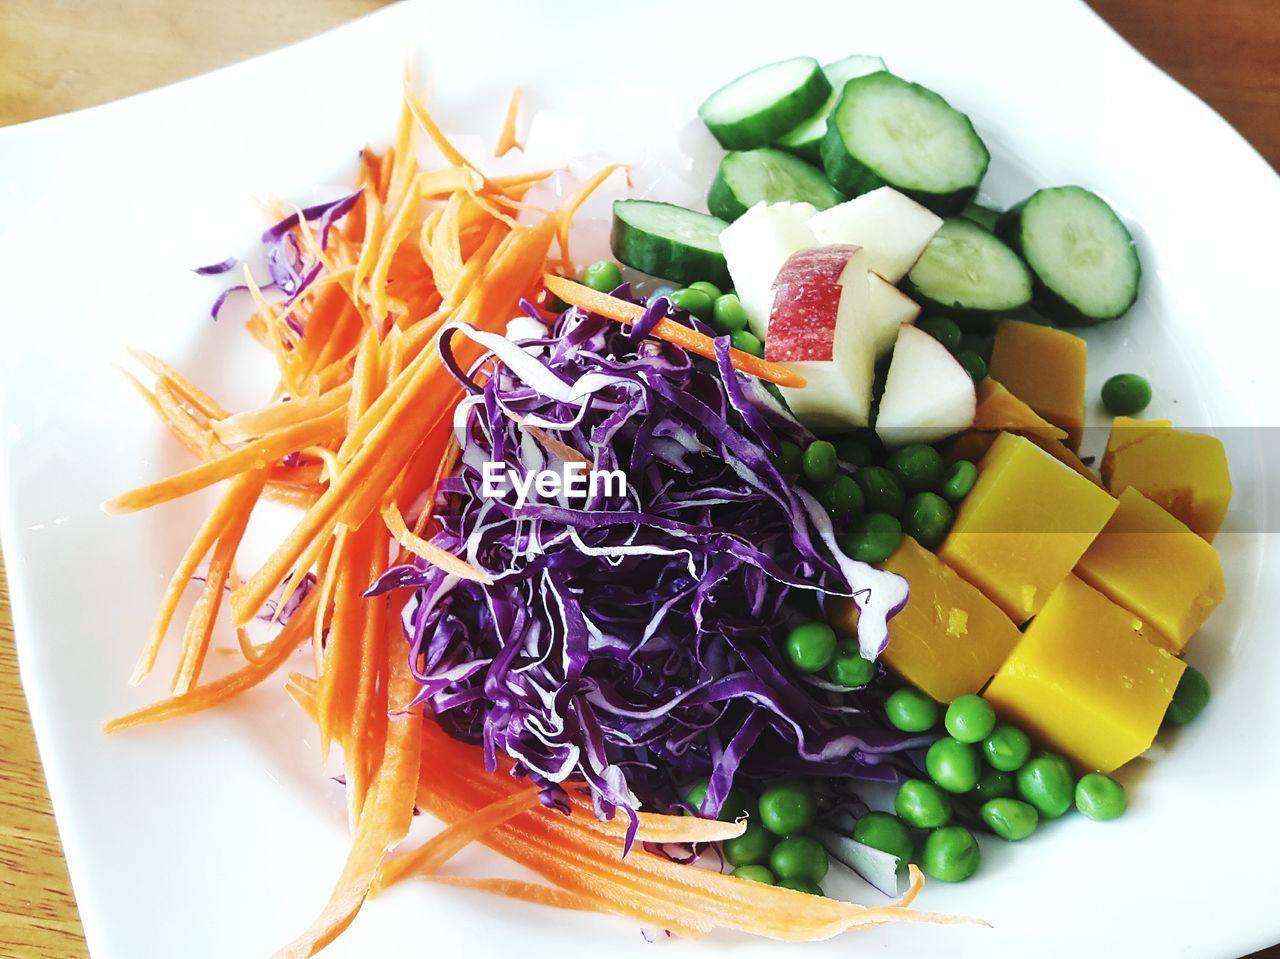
[220,836]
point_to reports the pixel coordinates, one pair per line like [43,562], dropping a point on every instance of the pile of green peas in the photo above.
[985,766]
[971,350]
[774,848]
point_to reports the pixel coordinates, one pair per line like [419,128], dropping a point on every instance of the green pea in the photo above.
[927,519]
[970,719]
[706,286]
[692,301]
[921,804]
[881,490]
[840,495]
[910,710]
[811,647]
[974,343]
[603,275]
[1189,698]
[1010,819]
[1126,394]
[728,315]
[886,832]
[953,765]
[958,481]
[873,538]
[943,329]
[747,342]
[801,885]
[799,857]
[917,466]
[1007,748]
[1100,797]
[1048,784]
[789,459]
[849,669]
[819,461]
[750,848]
[973,364]
[787,808]
[852,450]
[951,854]
[734,804]
[992,784]
[755,873]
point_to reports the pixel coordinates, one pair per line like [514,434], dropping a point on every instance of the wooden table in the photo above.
[58,55]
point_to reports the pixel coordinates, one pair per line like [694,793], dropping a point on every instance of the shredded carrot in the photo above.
[507,136]
[532,892]
[575,294]
[432,554]
[564,218]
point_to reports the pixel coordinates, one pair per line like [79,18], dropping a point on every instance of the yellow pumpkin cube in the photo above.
[1155,566]
[1023,527]
[1086,681]
[1046,368]
[1186,473]
[949,639]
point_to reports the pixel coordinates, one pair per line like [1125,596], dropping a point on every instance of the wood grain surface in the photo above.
[59,55]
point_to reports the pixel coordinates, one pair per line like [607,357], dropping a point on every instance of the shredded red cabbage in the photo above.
[212,269]
[633,642]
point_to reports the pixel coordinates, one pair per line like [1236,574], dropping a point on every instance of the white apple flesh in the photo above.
[894,229]
[887,309]
[755,246]
[927,396]
[819,329]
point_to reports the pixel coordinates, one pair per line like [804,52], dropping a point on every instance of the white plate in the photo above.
[220,836]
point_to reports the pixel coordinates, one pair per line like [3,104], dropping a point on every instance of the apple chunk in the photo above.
[894,229]
[819,329]
[756,245]
[927,395]
[887,309]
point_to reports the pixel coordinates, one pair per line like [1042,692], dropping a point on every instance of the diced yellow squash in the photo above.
[997,410]
[949,639]
[1157,568]
[1186,473]
[1024,525]
[1045,367]
[1085,680]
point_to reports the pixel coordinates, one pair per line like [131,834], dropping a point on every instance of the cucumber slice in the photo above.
[984,216]
[669,241]
[745,178]
[760,106]
[967,271]
[806,139]
[885,130]
[1085,263]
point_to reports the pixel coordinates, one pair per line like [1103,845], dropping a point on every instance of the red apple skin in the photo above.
[806,305]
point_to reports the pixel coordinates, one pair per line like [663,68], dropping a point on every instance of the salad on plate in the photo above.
[764,549]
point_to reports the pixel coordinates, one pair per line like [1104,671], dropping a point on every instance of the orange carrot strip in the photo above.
[507,136]
[575,294]
[293,635]
[182,424]
[197,397]
[383,823]
[255,455]
[432,130]
[432,554]
[246,489]
[442,847]
[519,889]
[369,711]
[564,217]
[240,427]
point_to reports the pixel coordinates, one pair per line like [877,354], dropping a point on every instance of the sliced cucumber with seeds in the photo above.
[984,216]
[1085,263]
[749,176]
[669,241]
[968,272]
[760,106]
[806,139]
[885,130]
